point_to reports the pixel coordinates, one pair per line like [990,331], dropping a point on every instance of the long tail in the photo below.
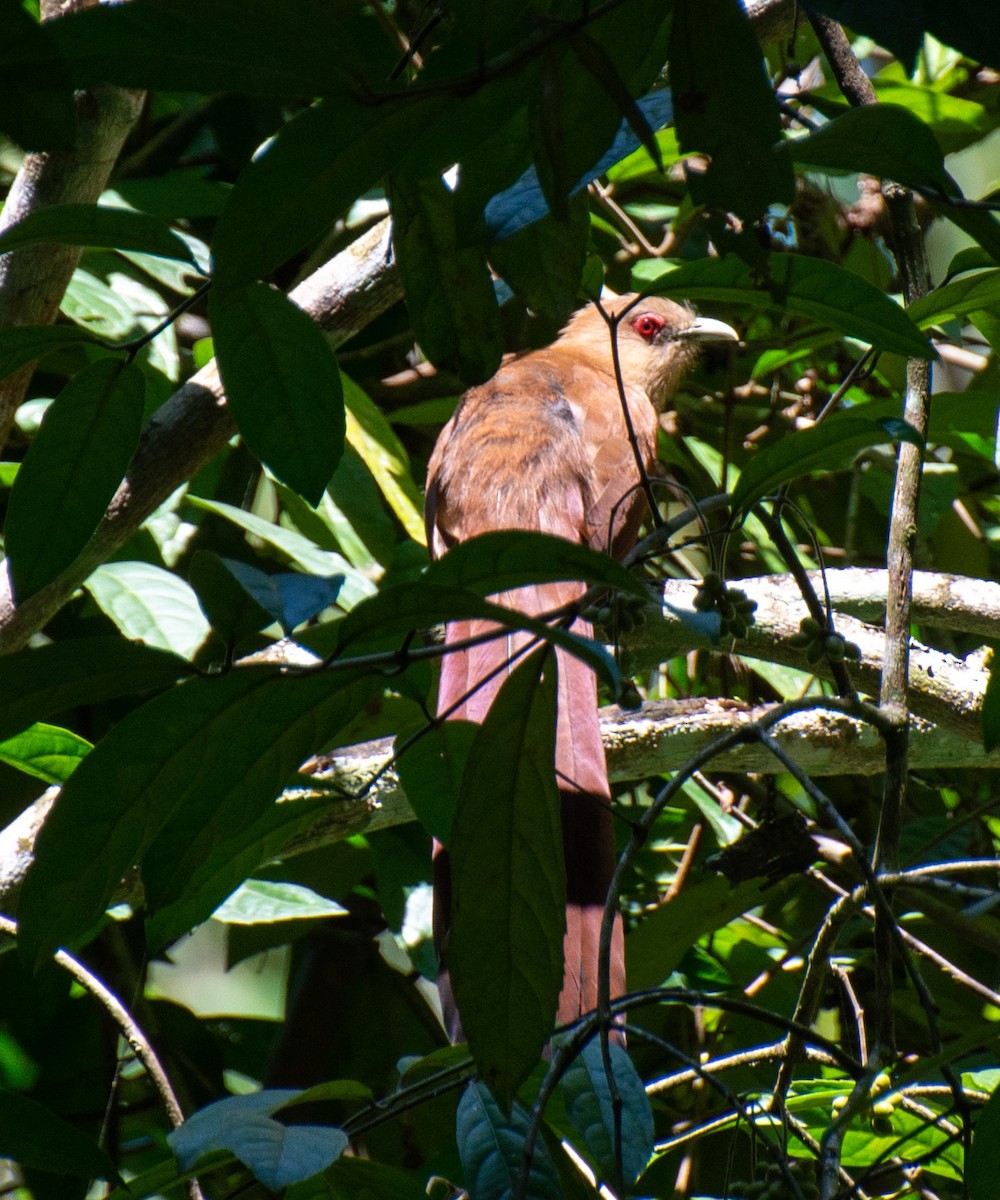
[587,821]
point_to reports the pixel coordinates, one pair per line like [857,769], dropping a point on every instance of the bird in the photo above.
[544,446]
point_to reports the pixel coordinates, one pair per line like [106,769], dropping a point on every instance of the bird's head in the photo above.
[657,340]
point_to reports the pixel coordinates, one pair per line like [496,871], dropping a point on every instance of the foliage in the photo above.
[207,606]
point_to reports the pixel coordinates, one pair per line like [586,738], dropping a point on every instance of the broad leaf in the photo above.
[33,1136]
[150,605]
[72,471]
[22,344]
[807,287]
[431,774]
[507,559]
[279,1155]
[282,384]
[491,1144]
[822,448]
[212,748]
[307,176]
[261,902]
[294,546]
[450,295]
[957,299]
[726,109]
[45,751]
[89,225]
[42,682]
[230,609]
[508,881]
[586,1095]
[984,1159]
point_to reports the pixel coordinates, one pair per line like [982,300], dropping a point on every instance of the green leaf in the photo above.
[261,902]
[150,605]
[199,858]
[586,1094]
[282,384]
[89,225]
[72,471]
[822,448]
[396,611]
[965,421]
[279,1155]
[659,942]
[308,175]
[883,140]
[257,47]
[544,262]
[34,117]
[450,296]
[97,307]
[47,680]
[431,774]
[507,559]
[294,546]
[508,881]
[807,287]
[34,1136]
[990,716]
[215,750]
[957,299]
[22,344]
[490,1145]
[725,108]
[375,443]
[45,751]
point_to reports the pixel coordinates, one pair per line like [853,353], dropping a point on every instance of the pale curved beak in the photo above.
[707,329]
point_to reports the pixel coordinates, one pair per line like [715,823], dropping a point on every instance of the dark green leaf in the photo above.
[232,613]
[22,344]
[308,176]
[807,287]
[282,383]
[506,559]
[34,1136]
[966,24]
[957,299]
[258,47]
[659,942]
[45,751]
[450,295]
[508,881]
[984,1158]
[431,774]
[725,108]
[72,470]
[595,59]
[883,140]
[290,597]
[544,262]
[990,717]
[279,1155]
[209,751]
[199,860]
[822,448]
[965,421]
[491,1144]
[396,611]
[587,1097]
[89,225]
[40,683]
[34,119]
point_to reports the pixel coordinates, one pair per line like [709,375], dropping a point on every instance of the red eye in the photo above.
[648,325]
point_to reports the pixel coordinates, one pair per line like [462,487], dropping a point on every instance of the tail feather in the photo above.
[469,682]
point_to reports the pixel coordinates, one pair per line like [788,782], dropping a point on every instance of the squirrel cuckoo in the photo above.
[544,445]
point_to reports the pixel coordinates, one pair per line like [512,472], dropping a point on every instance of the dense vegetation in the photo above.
[217,594]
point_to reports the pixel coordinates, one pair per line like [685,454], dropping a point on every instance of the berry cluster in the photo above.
[774,1186]
[821,640]
[734,607]
[621,613]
